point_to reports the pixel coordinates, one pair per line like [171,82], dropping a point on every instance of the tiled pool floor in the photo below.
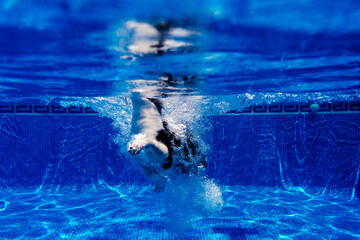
[136,212]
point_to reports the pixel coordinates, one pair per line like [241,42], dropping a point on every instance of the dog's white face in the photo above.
[152,155]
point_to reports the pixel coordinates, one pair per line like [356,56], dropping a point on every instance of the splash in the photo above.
[186,114]
[187,197]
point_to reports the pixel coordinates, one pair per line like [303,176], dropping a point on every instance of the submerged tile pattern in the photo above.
[307,150]
[337,107]
[314,150]
[52,151]
[44,109]
[300,108]
[51,146]
[139,213]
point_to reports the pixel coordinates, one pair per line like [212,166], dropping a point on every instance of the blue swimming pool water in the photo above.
[76,48]
[269,88]
[136,213]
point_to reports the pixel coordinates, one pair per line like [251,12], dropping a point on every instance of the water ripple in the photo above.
[248,213]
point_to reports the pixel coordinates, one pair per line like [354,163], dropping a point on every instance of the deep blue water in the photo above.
[270,89]
[74,48]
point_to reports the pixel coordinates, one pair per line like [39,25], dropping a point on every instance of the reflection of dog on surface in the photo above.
[155,39]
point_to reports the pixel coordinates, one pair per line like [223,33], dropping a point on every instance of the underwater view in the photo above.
[179,119]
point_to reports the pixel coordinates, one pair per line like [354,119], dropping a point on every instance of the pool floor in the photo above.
[136,212]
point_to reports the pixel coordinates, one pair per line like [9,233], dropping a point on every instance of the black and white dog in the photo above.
[160,152]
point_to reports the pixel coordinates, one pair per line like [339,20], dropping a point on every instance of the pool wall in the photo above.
[46,147]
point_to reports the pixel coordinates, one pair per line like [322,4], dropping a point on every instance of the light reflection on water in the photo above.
[248,213]
[64,48]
